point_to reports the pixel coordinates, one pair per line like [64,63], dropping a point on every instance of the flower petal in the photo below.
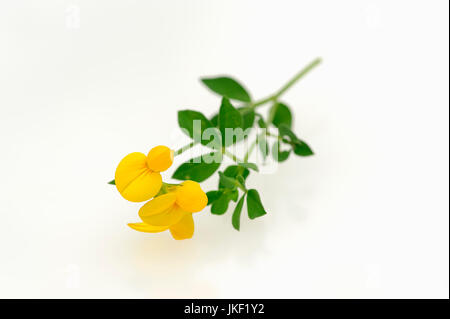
[184,229]
[134,181]
[190,197]
[167,218]
[160,158]
[158,205]
[145,228]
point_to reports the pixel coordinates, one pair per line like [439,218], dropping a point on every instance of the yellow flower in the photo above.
[138,176]
[173,211]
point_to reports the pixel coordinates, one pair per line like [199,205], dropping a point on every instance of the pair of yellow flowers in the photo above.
[138,179]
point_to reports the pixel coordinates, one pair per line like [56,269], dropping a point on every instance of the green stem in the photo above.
[166,188]
[298,76]
[242,187]
[281,139]
[273,135]
[288,85]
[252,146]
[185,148]
[250,150]
[231,155]
[263,101]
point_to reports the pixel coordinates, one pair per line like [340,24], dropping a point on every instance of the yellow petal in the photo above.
[143,227]
[160,158]
[158,205]
[167,218]
[134,181]
[190,197]
[184,229]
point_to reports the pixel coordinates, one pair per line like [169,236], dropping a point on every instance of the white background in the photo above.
[366,217]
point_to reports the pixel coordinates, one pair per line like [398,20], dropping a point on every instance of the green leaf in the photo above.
[281,114]
[285,131]
[195,130]
[236,218]
[229,118]
[234,195]
[262,123]
[303,149]
[234,171]
[221,199]
[241,180]
[213,196]
[252,166]
[227,87]
[248,117]
[278,154]
[227,182]
[220,206]
[113,182]
[263,146]
[254,205]
[197,169]
[300,147]
[215,120]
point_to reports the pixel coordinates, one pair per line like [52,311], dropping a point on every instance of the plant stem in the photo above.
[185,148]
[298,76]
[263,101]
[281,139]
[231,155]
[288,85]
[242,187]
[250,150]
[272,98]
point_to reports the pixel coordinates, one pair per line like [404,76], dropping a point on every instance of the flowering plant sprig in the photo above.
[171,206]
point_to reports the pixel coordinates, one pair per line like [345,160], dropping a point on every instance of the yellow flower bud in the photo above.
[190,197]
[160,158]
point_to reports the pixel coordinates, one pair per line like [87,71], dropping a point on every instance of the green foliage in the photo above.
[220,206]
[213,196]
[248,117]
[303,149]
[236,217]
[234,171]
[113,182]
[254,206]
[285,131]
[251,166]
[198,169]
[227,182]
[228,88]
[263,146]
[229,118]
[280,114]
[187,121]
[215,120]
[278,154]
[261,122]
[300,147]
[234,195]
[241,180]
